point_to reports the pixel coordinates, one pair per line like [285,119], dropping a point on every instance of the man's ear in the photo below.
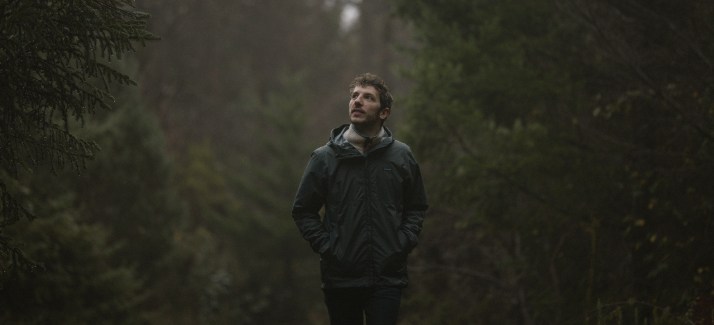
[383,113]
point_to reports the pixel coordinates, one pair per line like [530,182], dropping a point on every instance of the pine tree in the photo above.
[53,72]
[80,283]
[103,236]
[267,185]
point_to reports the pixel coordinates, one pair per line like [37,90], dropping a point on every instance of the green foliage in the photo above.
[267,183]
[568,148]
[280,127]
[129,187]
[237,258]
[52,58]
[79,284]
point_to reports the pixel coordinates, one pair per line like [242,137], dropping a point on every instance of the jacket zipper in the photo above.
[369,220]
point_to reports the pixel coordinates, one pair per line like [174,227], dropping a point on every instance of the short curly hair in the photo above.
[368,79]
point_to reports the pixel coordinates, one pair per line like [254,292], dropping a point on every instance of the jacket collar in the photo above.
[345,149]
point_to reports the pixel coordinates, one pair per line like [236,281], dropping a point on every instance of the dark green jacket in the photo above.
[374,208]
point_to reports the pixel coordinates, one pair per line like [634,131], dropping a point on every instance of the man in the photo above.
[374,199]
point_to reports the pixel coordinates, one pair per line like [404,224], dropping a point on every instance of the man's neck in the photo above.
[367,130]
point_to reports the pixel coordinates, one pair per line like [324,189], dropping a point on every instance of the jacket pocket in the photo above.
[394,265]
[404,243]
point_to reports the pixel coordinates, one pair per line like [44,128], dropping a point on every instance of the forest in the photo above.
[150,152]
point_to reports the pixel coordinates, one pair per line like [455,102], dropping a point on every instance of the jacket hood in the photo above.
[345,149]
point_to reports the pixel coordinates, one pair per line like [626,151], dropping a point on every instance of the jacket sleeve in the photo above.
[415,202]
[309,200]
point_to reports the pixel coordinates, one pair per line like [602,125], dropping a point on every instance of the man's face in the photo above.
[365,108]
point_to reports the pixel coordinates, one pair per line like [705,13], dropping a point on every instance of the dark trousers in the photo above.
[380,305]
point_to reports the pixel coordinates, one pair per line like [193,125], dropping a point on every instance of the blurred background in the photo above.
[567,149]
